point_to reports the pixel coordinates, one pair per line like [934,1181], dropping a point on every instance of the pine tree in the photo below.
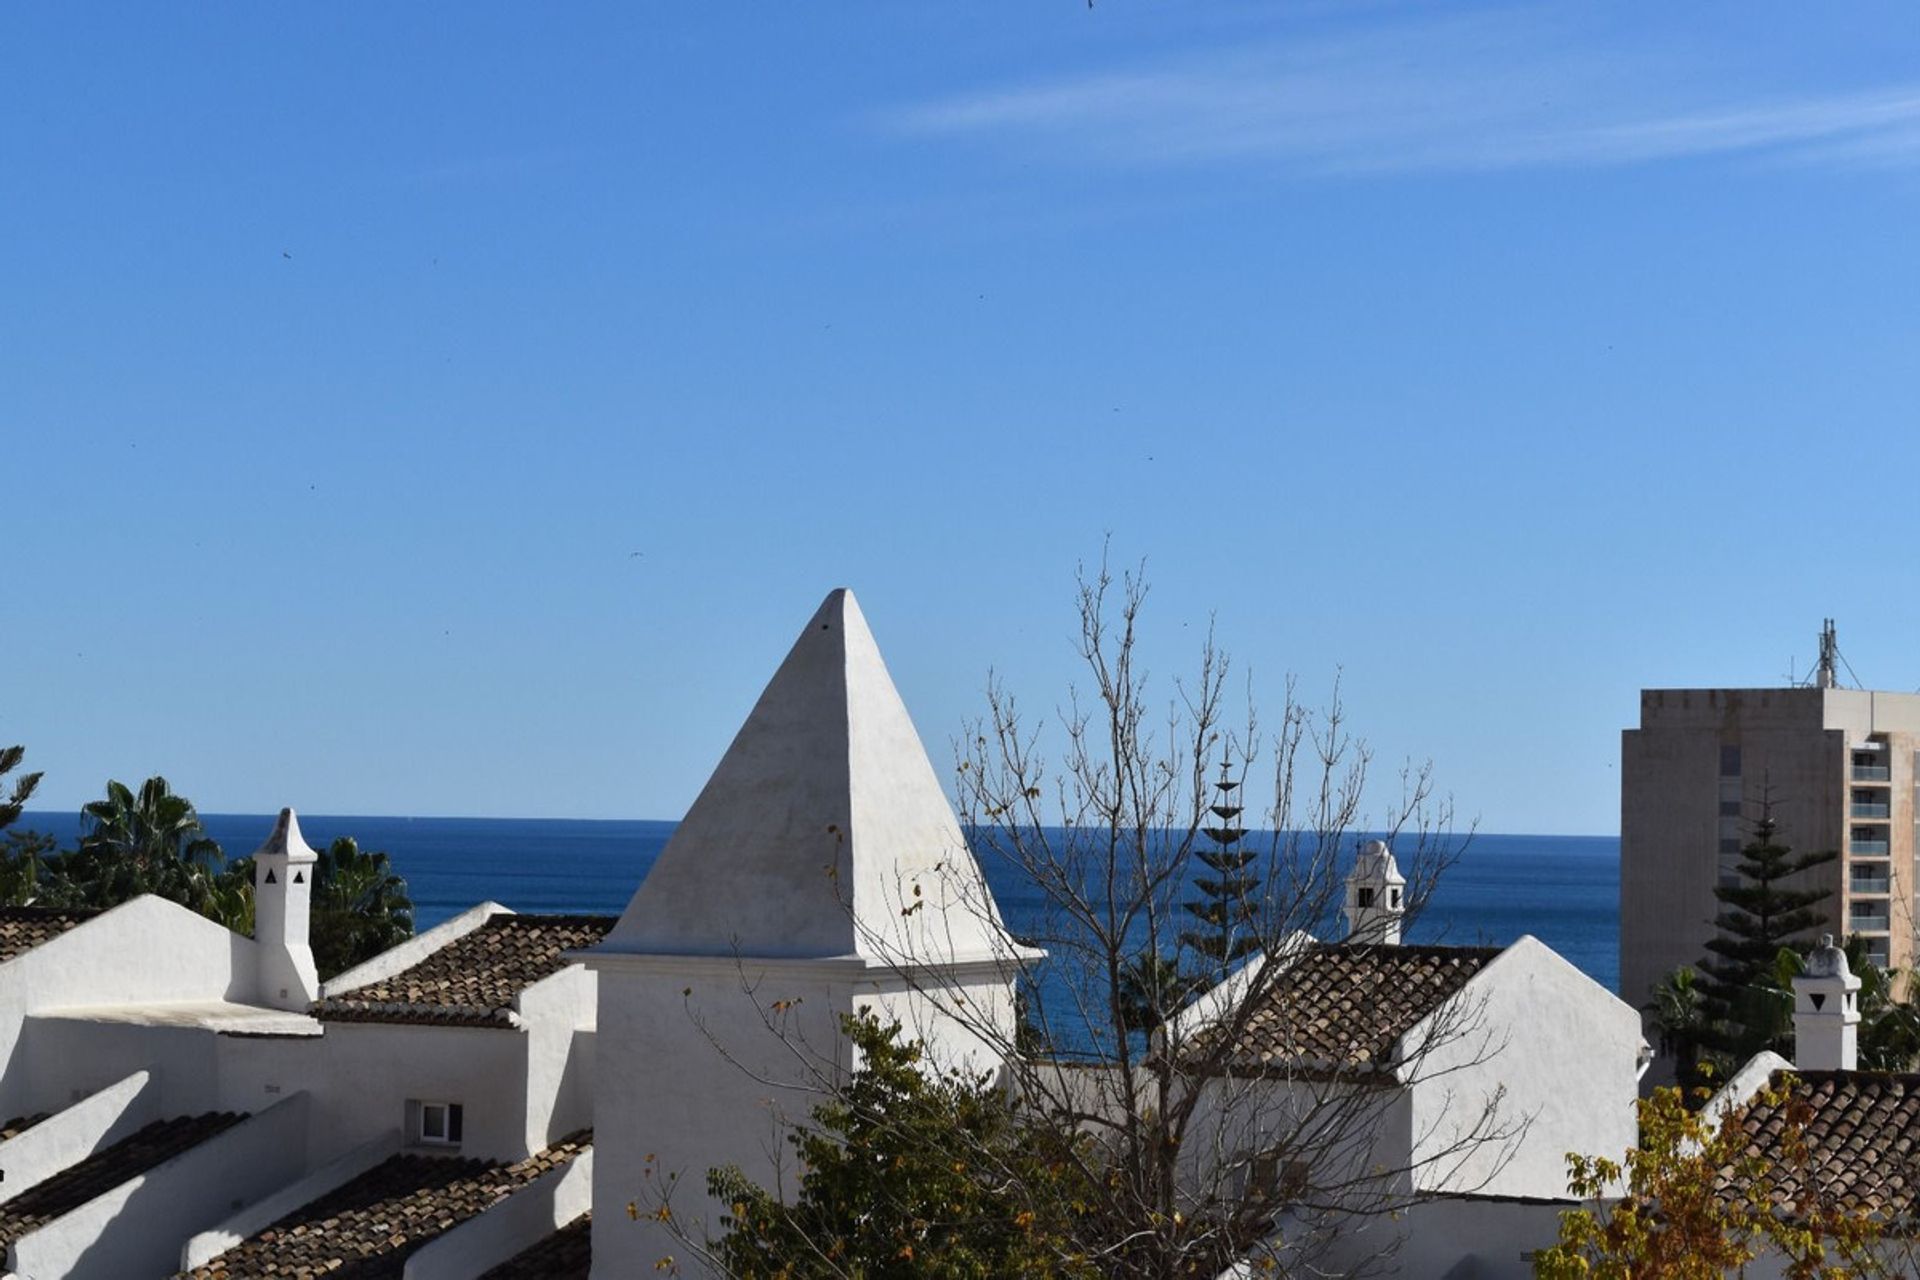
[1225,908]
[1759,918]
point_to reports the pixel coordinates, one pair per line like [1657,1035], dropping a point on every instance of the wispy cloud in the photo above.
[1456,94]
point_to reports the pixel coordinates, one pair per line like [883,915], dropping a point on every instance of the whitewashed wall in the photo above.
[146,950]
[135,1229]
[95,1122]
[559,1014]
[527,1216]
[1559,1051]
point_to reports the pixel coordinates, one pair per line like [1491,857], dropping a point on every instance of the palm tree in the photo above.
[10,806]
[150,842]
[1680,1013]
[360,907]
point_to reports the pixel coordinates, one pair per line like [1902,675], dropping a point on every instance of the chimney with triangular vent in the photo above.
[282,901]
[1826,1011]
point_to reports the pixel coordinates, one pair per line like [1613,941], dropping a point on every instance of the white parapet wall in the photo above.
[262,1213]
[530,1214]
[134,1229]
[70,1136]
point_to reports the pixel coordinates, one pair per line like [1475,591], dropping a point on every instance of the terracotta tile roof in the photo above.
[567,1254]
[366,1229]
[24,928]
[1862,1133]
[474,980]
[106,1169]
[1345,1007]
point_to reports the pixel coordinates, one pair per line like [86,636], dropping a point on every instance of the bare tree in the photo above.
[1231,1132]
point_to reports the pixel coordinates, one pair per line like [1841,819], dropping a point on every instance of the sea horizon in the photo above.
[1563,890]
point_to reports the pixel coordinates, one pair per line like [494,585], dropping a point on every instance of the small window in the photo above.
[1729,808]
[1363,897]
[1729,844]
[1393,896]
[441,1123]
[1729,760]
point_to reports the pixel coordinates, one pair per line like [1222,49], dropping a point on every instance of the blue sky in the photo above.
[458,409]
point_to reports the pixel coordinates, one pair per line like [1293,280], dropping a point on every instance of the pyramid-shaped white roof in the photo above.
[823,832]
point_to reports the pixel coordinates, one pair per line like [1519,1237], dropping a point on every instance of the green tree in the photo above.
[149,841]
[12,804]
[1679,1014]
[360,907]
[23,859]
[1759,916]
[1228,901]
[1701,1201]
[906,1174]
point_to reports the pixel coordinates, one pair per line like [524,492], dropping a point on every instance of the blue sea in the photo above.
[1562,889]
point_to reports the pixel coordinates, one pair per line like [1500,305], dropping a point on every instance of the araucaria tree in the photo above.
[1741,1010]
[1228,886]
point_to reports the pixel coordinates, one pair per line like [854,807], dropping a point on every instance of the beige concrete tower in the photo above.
[1836,768]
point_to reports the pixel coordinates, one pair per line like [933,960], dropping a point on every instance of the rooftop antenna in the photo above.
[1826,675]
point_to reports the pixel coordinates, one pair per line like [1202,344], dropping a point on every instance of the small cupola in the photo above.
[282,901]
[1376,896]
[1826,1011]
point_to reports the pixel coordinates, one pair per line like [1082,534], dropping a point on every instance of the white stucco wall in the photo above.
[1485,1238]
[527,1216]
[558,1013]
[1557,1051]
[698,1068]
[65,1139]
[68,1055]
[664,1089]
[236,1227]
[135,1229]
[146,950]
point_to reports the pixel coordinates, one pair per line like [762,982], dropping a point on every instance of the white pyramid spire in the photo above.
[823,832]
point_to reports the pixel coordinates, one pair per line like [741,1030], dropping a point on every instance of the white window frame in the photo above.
[446,1116]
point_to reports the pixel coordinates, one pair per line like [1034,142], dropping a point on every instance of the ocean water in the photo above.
[1562,889]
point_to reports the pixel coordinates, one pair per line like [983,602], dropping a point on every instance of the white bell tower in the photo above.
[820,873]
[1826,1012]
[282,903]
[1376,896]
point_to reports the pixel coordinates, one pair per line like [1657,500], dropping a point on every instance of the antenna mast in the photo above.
[1826,675]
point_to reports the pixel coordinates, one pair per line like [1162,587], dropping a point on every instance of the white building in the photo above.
[1430,1093]
[186,1099]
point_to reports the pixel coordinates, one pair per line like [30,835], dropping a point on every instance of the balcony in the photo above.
[1873,773]
[1875,885]
[1867,848]
[1858,923]
[1858,810]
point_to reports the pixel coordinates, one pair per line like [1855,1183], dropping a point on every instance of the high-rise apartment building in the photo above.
[1839,769]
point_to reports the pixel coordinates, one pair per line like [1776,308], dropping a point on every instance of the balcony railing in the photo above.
[1868,848]
[1870,810]
[1866,884]
[1872,773]
[1867,924]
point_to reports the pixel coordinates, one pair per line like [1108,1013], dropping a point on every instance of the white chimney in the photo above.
[1826,1012]
[1376,896]
[282,903]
